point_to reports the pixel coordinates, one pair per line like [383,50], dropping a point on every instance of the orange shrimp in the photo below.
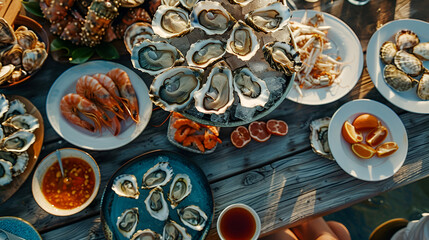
[196,139]
[213,129]
[90,88]
[72,104]
[185,122]
[108,84]
[210,140]
[126,90]
[182,133]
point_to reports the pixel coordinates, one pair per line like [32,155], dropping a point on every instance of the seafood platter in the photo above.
[237,59]
[21,135]
[367,139]
[23,51]
[160,195]
[399,64]
[99,105]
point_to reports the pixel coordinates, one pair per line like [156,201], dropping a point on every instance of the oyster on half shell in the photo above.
[173,231]
[189,4]
[251,90]
[137,33]
[217,94]
[19,161]
[33,59]
[157,176]
[174,89]
[243,42]
[156,204]
[5,172]
[319,137]
[146,234]
[155,57]
[25,122]
[282,57]
[125,185]
[211,17]
[4,105]
[7,35]
[269,18]
[18,141]
[193,217]
[128,221]
[180,188]
[16,107]
[204,52]
[169,22]
[241,2]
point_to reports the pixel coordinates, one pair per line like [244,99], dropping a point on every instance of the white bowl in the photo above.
[40,173]
[250,210]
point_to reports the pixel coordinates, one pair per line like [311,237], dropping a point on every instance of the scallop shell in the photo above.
[156,204]
[174,89]
[243,42]
[193,217]
[26,38]
[387,52]
[423,87]
[397,79]
[180,188]
[125,185]
[319,137]
[211,17]
[270,18]
[169,22]
[146,234]
[408,63]
[251,90]
[204,52]
[6,73]
[157,176]
[5,172]
[421,50]
[406,39]
[128,221]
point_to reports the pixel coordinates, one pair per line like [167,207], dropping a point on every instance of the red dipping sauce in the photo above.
[237,224]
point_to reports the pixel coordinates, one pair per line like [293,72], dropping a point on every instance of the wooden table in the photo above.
[282,179]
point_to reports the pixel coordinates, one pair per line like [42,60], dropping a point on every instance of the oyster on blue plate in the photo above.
[157,176]
[180,188]
[192,216]
[156,204]
[128,221]
[125,185]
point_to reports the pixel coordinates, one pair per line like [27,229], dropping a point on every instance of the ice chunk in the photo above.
[244,113]
[221,118]
[194,112]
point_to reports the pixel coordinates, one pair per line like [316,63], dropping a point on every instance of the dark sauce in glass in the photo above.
[237,224]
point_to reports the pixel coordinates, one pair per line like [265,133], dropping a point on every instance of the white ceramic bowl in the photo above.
[40,173]
[249,209]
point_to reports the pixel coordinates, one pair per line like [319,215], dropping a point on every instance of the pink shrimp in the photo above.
[126,90]
[90,88]
[72,104]
[108,84]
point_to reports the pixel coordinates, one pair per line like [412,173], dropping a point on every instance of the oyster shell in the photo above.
[406,39]
[243,42]
[217,94]
[169,22]
[211,17]
[7,35]
[19,161]
[137,33]
[173,231]
[408,63]
[128,221]
[421,50]
[269,18]
[157,176]
[423,87]
[25,122]
[241,2]
[16,107]
[5,172]
[204,52]
[188,4]
[180,188]
[251,90]
[6,73]
[146,234]
[156,204]
[18,141]
[12,56]
[4,105]
[387,52]
[397,79]
[33,59]
[172,3]
[193,217]
[174,89]
[282,57]
[1,134]
[155,57]
[125,185]
[319,137]
[26,38]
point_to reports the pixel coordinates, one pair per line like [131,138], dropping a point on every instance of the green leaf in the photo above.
[107,51]
[58,44]
[32,7]
[81,54]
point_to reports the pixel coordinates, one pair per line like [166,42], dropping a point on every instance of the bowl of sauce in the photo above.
[69,194]
[238,222]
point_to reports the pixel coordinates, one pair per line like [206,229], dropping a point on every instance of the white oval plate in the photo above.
[345,44]
[375,168]
[81,137]
[406,100]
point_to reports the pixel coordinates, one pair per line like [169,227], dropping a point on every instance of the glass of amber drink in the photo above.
[238,222]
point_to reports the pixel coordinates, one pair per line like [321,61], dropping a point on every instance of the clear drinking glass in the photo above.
[358,2]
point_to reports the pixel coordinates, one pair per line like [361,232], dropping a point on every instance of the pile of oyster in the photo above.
[225,77]
[21,53]
[16,136]
[154,180]
[403,59]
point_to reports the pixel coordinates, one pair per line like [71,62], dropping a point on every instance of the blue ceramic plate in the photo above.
[19,227]
[112,205]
